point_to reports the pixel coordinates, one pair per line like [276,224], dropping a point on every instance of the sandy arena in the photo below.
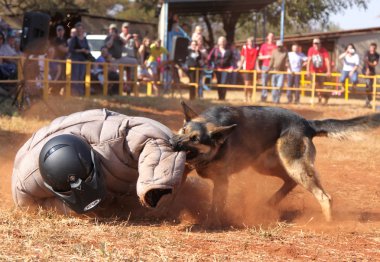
[296,230]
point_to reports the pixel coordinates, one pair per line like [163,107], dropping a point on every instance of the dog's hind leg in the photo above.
[288,186]
[297,155]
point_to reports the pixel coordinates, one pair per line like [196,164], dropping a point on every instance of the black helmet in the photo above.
[70,170]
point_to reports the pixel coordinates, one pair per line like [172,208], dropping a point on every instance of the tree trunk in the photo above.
[210,41]
[229,24]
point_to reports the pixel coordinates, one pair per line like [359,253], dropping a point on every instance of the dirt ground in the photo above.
[294,231]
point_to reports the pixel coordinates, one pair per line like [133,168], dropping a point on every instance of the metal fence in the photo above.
[307,84]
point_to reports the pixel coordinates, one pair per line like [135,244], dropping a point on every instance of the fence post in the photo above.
[196,82]
[20,69]
[312,89]
[346,89]
[45,81]
[254,86]
[135,84]
[105,81]
[87,80]
[68,78]
[374,93]
[149,88]
[121,79]
[302,83]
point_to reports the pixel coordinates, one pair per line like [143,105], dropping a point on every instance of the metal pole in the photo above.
[282,20]
[255,21]
[264,23]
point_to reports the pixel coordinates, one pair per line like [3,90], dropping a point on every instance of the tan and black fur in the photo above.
[224,140]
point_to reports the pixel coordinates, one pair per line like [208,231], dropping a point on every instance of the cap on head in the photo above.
[316,41]
[112,26]
[279,43]
[125,24]
[60,27]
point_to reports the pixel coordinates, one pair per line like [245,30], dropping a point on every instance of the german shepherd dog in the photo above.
[224,140]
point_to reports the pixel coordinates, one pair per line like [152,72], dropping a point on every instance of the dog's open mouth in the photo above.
[191,153]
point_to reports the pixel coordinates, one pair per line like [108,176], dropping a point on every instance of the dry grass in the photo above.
[354,236]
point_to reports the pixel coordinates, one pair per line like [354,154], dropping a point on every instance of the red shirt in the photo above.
[318,62]
[250,55]
[267,49]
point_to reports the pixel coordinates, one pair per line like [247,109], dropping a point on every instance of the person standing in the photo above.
[350,66]
[156,50]
[221,58]
[265,54]
[114,42]
[318,61]
[297,60]
[79,50]
[278,62]
[193,59]
[248,60]
[371,59]
[61,51]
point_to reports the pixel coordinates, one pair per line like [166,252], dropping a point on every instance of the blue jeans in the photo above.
[264,82]
[346,74]
[277,81]
[293,81]
[78,72]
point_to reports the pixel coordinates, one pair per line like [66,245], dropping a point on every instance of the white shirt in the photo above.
[296,60]
[349,62]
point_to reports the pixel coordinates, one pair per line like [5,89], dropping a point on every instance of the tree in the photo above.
[299,15]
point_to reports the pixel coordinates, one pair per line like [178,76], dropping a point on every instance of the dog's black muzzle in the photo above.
[178,145]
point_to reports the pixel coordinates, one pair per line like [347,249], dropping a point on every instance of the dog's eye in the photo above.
[194,138]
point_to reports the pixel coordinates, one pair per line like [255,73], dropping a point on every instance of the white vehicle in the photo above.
[96,42]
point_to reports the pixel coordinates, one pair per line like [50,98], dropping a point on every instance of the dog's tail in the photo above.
[345,129]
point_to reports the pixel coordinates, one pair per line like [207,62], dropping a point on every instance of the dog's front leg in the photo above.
[219,197]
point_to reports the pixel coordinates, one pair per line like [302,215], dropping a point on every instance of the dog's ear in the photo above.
[188,112]
[221,133]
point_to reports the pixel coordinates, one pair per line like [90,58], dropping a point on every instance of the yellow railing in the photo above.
[307,84]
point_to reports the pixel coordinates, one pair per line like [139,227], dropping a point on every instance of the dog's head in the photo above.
[200,138]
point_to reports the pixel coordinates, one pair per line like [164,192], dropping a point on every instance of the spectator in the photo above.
[105,57]
[371,59]
[114,42]
[318,61]
[79,50]
[278,62]
[156,50]
[193,59]
[131,41]
[60,44]
[235,63]
[55,72]
[73,33]
[248,60]
[297,60]
[221,57]
[198,33]
[11,40]
[350,66]
[144,53]
[8,67]
[5,49]
[264,56]
[61,50]
[125,35]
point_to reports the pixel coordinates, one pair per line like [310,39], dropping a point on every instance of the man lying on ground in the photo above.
[89,158]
